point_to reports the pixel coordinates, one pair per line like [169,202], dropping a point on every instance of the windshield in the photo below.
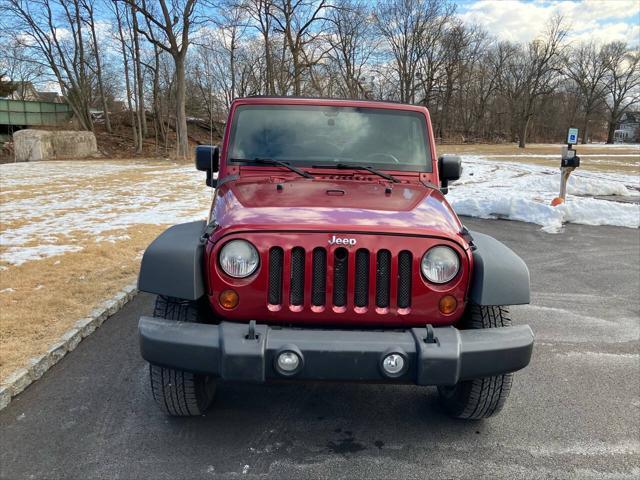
[313,135]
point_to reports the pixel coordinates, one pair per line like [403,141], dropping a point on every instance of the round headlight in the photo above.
[239,258]
[440,264]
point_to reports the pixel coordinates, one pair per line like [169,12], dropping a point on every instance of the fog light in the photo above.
[393,364]
[448,304]
[288,362]
[228,299]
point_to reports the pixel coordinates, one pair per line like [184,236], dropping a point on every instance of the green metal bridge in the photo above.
[16,114]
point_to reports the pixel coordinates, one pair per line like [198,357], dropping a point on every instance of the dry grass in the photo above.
[41,299]
[616,158]
[49,295]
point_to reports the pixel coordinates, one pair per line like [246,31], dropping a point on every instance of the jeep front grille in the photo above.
[345,270]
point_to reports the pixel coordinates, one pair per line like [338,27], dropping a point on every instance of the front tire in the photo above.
[481,397]
[179,393]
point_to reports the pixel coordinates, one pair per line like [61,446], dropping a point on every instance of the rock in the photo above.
[71,339]
[39,365]
[56,352]
[5,396]
[86,326]
[31,145]
[18,381]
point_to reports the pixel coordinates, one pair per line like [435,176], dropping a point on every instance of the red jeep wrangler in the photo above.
[330,253]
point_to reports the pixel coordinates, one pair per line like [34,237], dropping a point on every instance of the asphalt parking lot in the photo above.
[574,413]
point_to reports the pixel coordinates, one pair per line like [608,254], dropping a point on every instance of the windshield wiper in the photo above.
[270,161]
[353,166]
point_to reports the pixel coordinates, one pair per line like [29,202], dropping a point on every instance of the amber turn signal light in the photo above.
[228,299]
[448,304]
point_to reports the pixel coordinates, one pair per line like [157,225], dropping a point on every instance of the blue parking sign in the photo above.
[572,136]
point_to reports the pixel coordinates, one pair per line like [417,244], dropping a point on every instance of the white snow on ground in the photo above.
[167,195]
[517,191]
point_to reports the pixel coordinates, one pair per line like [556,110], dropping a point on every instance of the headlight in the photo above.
[440,264]
[239,259]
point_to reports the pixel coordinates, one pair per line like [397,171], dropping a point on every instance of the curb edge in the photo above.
[36,366]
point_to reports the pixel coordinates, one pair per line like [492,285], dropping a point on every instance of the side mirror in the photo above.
[449,170]
[208,160]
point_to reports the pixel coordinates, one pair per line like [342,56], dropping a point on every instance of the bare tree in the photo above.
[455,47]
[64,55]
[139,76]
[119,12]
[587,67]
[19,66]
[478,85]
[297,21]
[89,20]
[159,123]
[623,82]
[413,30]
[530,74]
[261,11]
[352,42]
[174,21]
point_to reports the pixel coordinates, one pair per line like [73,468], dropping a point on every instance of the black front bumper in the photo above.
[227,351]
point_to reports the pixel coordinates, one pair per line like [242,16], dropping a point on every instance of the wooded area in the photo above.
[167,60]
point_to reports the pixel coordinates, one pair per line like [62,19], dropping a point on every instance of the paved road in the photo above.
[574,413]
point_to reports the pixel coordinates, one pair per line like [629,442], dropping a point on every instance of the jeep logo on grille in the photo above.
[342,241]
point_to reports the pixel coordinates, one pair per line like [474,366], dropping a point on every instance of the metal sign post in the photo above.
[569,162]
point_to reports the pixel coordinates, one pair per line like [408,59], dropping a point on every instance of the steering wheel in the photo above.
[393,158]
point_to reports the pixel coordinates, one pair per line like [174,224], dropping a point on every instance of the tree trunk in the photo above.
[296,73]
[96,52]
[182,143]
[585,129]
[611,131]
[142,115]
[159,125]
[232,64]
[126,76]
[270,81]
[524,126]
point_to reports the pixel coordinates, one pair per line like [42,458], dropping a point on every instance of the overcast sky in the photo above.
[523,20]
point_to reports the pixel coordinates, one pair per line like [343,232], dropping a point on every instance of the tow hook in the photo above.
[430,338]
[251,334]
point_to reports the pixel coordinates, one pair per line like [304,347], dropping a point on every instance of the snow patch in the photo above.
[62,210]
[20,255]
[489,189]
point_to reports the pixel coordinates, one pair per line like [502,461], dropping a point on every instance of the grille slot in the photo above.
[383,277]
[361,295]
[340,265]
[319,281]
[276,257]
[296,293]
[404,279]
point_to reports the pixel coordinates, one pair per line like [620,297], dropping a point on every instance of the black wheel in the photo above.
[179,393]
[480,397]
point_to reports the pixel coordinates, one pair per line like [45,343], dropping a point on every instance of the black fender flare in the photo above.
[173,264]
[500,277]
